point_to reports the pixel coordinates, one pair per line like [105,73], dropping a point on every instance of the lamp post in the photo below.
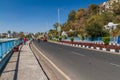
[59,28]
[58,15]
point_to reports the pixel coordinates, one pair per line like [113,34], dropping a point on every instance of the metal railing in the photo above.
[6,46]
[97,39]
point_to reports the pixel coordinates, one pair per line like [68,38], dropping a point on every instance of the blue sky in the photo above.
[37,15]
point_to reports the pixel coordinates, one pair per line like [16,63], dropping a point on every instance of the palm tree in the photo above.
[21,34]
[14,34]
[9,33]
[56,25]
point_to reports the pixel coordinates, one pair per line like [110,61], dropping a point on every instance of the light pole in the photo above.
[58,16]
[59,28]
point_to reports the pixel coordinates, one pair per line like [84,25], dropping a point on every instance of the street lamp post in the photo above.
[58,15]
[59,28]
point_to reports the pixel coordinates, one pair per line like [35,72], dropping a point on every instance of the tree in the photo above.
[116,31]
[93,9]
[67,26]
[96,18]
[15,34]
[56,25]
[107,17]
[28,36]
[21,35]
[96,30]
[71,16]
[52,33]
[95,27]
[117,19]
[9,32]
[80,13]
[116,8]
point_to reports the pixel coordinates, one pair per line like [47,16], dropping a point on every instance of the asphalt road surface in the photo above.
[82,64]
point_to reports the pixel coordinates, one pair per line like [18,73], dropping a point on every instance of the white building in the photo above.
[10,35]
[111,26]
[64,33]
[107,6]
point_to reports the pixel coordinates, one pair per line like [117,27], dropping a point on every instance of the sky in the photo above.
[37,15]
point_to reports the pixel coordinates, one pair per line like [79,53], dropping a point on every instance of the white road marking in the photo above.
[115,65]
[77,53]
[58,69]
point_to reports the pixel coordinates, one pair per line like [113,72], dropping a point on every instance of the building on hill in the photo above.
[111,26]
[107,6]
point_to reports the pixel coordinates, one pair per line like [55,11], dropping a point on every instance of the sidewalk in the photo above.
[23,66]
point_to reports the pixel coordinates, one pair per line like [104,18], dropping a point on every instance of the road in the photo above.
[82,64]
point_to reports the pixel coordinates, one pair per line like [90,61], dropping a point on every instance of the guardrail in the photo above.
[97,39]
[6,46]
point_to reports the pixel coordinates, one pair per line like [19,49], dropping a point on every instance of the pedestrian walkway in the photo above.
[23,66]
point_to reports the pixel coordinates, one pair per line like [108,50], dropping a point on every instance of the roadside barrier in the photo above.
[6,50]
[6,46]
[101,46]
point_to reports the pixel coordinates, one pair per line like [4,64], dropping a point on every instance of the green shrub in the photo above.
[65,37]
[60,38]
[72,39]
[106,40]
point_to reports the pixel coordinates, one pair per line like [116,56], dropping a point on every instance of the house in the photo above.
[4,35]
[107,6]
[111,26]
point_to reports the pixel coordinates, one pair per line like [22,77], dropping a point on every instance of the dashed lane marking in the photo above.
[115,65]
[78,53]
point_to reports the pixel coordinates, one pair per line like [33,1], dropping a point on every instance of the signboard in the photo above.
[118,40]
[59,29]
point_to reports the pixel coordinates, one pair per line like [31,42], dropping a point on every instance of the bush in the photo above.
[81,37]
[65,37]
[60,38]
[106,40]
[72,39]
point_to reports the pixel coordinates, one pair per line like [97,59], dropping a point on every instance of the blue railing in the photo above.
[6,46]
[97,39]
